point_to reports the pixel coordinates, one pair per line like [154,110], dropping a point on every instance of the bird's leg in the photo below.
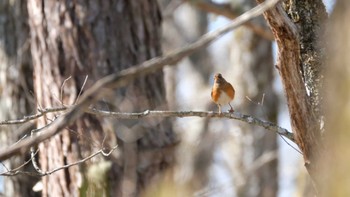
[219,108]
[231,110]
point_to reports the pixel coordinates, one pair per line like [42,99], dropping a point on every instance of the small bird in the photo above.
[222,92]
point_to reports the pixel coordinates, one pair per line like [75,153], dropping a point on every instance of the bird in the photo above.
[222,92]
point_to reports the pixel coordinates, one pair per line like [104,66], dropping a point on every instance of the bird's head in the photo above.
[218,78]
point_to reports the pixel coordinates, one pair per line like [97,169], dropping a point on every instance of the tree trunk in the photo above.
[72,40]
[299,65]
[15,89]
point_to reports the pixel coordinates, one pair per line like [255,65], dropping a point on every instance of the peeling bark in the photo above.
[300,75]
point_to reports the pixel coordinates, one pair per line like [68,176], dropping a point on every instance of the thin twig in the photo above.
[32,155]
[3,165]
[291,145]
[39,173]
[16,171]
[81,90]
[25,163]
[101,151]
[25,119]
[62,87]
[32,131]
[34,163]
[124,77]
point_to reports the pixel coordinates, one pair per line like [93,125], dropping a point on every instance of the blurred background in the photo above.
[219,157]
[225,157]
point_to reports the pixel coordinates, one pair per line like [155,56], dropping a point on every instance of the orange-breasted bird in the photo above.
[222,92]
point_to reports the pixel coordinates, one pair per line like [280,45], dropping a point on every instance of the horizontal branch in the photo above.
[32,117]
[148,113]
[124,77]
[179,114]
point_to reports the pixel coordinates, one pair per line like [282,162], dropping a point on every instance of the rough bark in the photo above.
[15,87]
[299,66]
[76,39]
[310,28]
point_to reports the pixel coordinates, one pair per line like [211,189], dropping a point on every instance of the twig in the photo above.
[32,131]
[291,145]
[16,171]
[81,90]
[25,119]
[34,163]
[32,155]
[62,87]
[101,151]
[3,165]
[39,173]
[123,77]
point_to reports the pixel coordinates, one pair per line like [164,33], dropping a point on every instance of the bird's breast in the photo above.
[224,98]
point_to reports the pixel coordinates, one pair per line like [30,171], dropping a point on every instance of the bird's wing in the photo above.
[231,91]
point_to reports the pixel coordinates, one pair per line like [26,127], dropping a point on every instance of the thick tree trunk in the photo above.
[299,64]
[72,40]
[15,89]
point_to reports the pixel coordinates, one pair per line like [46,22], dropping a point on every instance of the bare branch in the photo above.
[123,77]
[40,173]
[25,119]
[62,88]
[34,163]
[32,155]
[101,151]
[81,90]
[235,115]
[16,171]
[148,113]
[225,9]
